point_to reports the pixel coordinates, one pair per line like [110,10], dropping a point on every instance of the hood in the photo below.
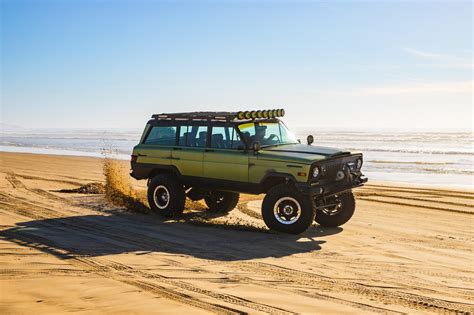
[301,153]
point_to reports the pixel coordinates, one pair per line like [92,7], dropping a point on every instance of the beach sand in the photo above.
[406,249]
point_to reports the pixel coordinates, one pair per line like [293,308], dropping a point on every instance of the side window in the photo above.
[218,138]
[225,138]
[248,132]
[201,136]
[193,136]
[183,136]
[236,143]
[161,135]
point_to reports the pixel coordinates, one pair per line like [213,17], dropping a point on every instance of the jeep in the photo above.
[215,156]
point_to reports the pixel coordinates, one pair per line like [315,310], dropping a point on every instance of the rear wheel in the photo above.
[221,201]
[341,211]
[284,209]
[166,195]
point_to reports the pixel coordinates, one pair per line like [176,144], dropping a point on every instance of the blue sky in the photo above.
[111,64]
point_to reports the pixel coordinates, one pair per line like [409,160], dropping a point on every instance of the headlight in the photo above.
[316,172]
[359,164]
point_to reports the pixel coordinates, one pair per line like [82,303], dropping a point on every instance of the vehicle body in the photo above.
[216,156]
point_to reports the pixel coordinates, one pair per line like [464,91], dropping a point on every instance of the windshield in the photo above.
[267,133]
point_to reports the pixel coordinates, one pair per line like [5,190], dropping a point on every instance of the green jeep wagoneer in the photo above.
[217,155]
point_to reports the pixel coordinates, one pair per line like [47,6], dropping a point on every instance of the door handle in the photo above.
[139,154]
[177,148]
[208,150]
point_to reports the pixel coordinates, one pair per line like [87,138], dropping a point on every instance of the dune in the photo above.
[406,250]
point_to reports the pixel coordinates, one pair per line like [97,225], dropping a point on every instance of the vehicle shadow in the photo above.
[118,233]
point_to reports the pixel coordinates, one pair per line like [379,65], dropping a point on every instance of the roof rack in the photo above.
[226,116]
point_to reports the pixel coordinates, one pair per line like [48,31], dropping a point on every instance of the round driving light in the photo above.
[323,170]
[316,172]
[259,114]
[253,114]
[279,113]
[248,115]
[275,113]
[359,164]
[270,114]
[240,115]
[265,113]
[282,112]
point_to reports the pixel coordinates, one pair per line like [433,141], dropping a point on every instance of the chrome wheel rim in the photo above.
[333,210]
[161,197]
[287,210]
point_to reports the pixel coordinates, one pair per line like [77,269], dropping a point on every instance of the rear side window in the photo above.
[161,135]
[193,136]
[225,138]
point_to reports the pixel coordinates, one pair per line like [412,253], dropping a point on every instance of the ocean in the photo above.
[427,158]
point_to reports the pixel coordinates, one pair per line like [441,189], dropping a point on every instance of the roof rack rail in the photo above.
[242,115]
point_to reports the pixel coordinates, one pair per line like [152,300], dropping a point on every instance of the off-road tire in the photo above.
[287,193]
[229,201]
[176,195]
[341,217]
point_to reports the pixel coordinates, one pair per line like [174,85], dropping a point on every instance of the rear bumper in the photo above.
[329,189]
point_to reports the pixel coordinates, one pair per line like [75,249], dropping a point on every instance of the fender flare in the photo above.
[271,179]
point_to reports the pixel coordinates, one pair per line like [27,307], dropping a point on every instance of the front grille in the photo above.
[331,170]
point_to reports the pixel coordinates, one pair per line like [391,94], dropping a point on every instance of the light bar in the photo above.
[267,113]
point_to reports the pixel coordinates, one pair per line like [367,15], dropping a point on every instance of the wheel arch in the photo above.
[273,179]
[163,169]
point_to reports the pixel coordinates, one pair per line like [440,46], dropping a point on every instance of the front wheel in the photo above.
[221,201]
[284,209]
[341,211]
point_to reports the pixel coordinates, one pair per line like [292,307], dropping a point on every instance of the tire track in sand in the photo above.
[84,227]
[92,228]
[93,265]
[414,205]
[380,294]
[288,275]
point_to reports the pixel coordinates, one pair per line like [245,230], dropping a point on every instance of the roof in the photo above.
[222,116]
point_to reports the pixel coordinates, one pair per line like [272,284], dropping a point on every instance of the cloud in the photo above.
[442,60]
[424,54]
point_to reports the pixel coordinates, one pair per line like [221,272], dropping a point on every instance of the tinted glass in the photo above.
[236,142]
[183,136]
[201,136]
[161,135]
[248,132]
[267,133]
[193,136]
[225,138]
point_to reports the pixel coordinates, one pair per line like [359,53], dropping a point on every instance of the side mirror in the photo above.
[299,141]
[310,139]
[256,146]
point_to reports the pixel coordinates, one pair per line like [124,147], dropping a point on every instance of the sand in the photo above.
[406,250]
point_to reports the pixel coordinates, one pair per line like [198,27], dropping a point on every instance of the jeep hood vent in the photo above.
[309,149]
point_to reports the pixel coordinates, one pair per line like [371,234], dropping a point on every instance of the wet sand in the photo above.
[406,250]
